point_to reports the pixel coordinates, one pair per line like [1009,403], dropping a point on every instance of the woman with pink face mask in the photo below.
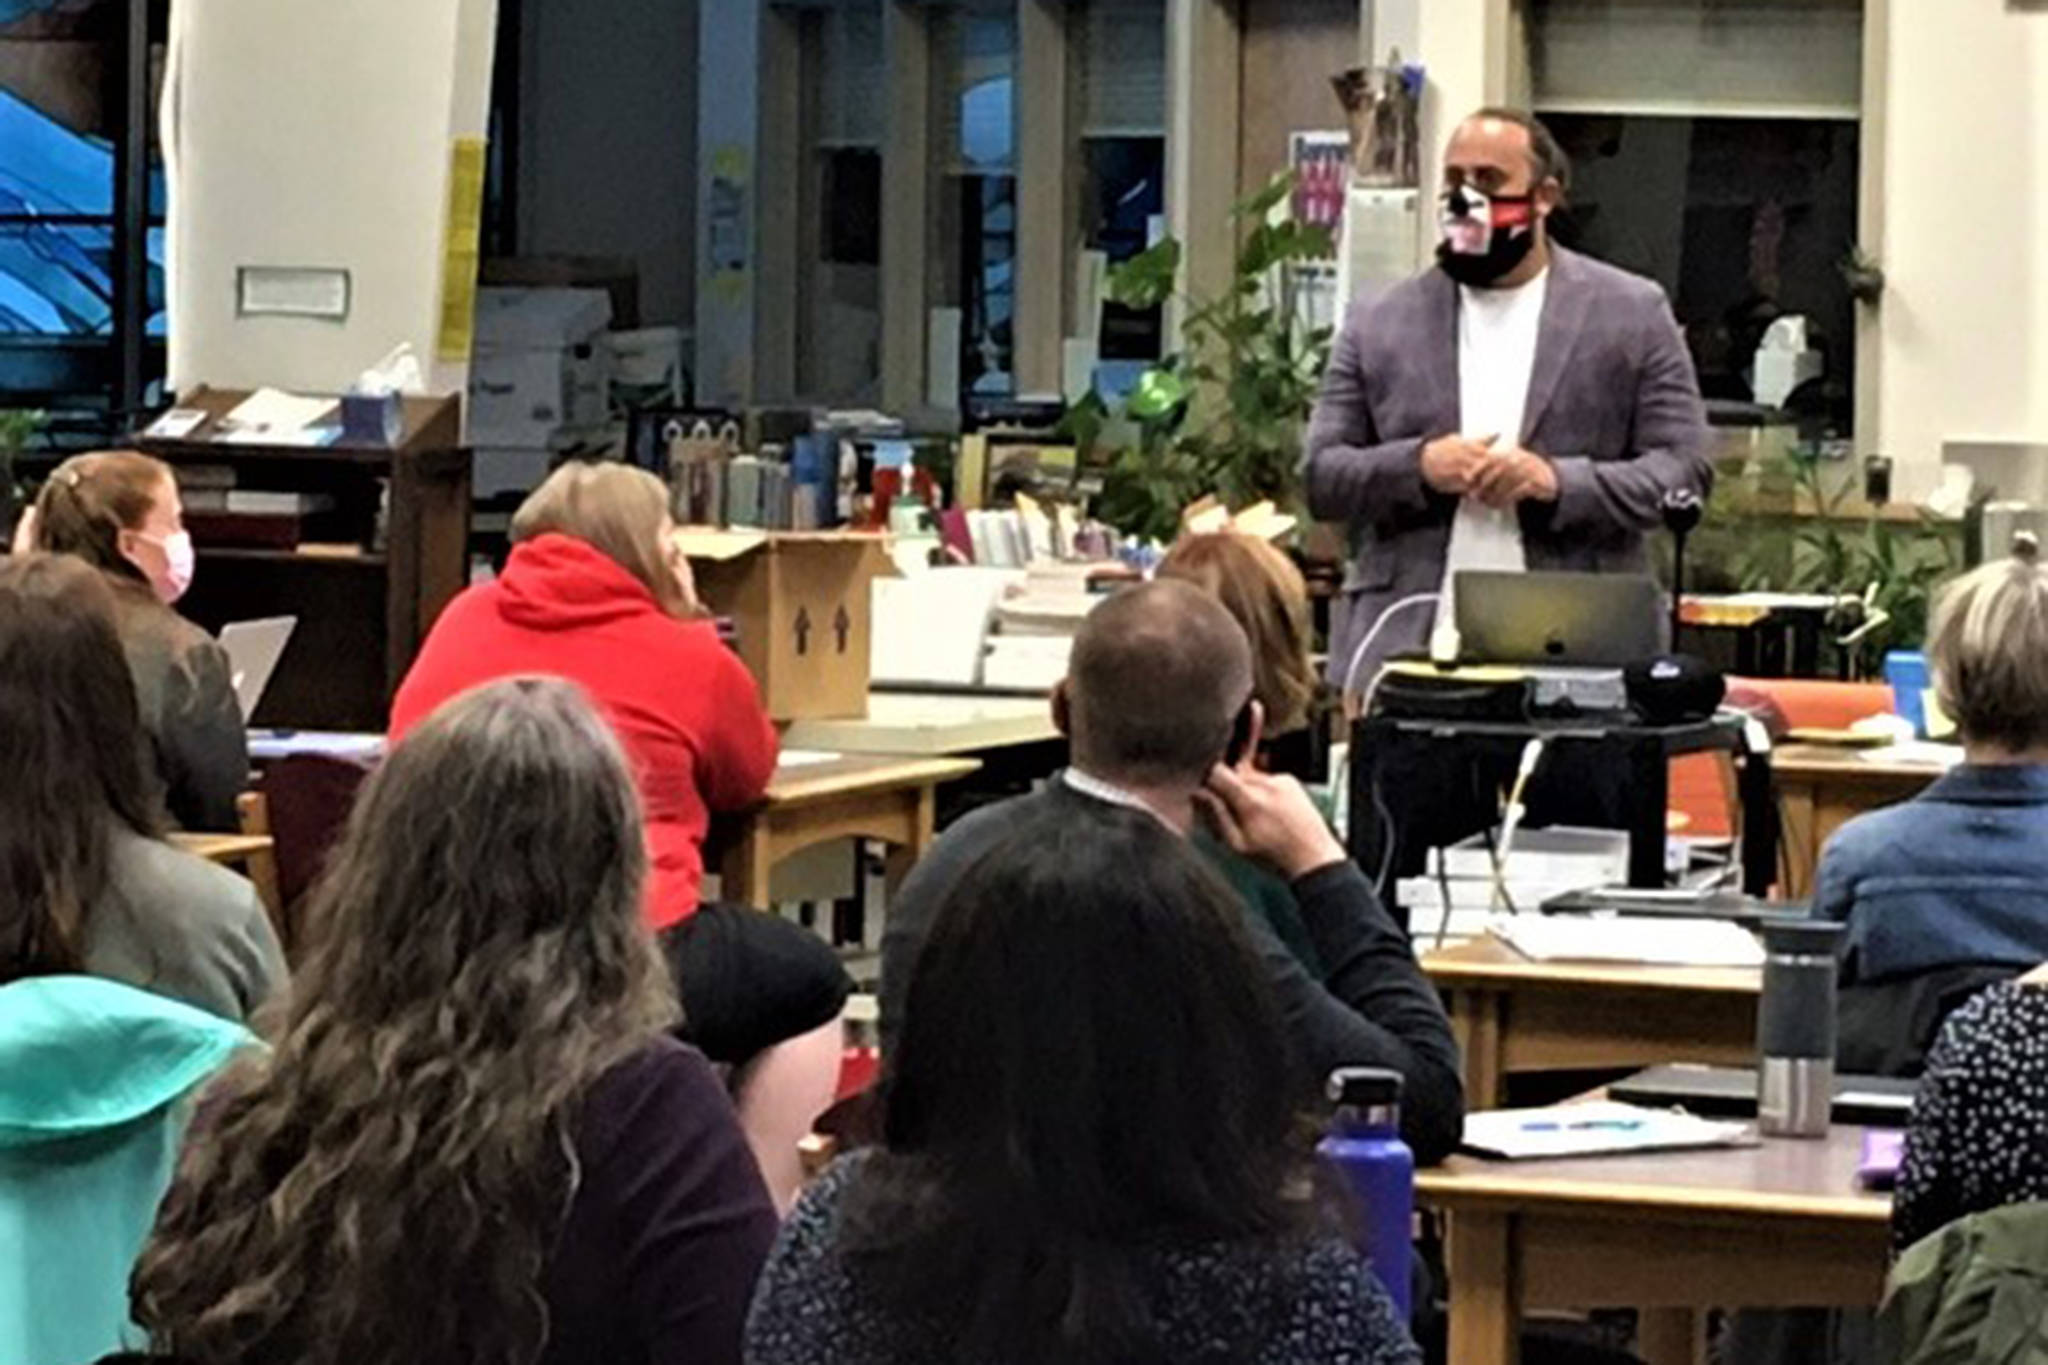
[119,511]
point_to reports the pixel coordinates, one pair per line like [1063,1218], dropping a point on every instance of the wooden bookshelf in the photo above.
[363,606]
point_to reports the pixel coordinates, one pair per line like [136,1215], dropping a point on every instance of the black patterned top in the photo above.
[1212,1303]
[1979,1137]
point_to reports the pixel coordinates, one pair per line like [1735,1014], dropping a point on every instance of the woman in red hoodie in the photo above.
[596,592]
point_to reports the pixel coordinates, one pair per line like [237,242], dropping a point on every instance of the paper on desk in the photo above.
[805,758]
[1600,1128]
[274,417]
[1675,942]
[1943,756]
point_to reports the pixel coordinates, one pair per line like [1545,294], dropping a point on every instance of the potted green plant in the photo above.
[1225,413]
[18,426]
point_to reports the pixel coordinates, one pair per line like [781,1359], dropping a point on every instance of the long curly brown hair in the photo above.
[385,1185]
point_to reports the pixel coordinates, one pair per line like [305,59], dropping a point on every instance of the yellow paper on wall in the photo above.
[460,249]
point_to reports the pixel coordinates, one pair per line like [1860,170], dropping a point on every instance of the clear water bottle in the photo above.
[1796,1030]
[1366,1148]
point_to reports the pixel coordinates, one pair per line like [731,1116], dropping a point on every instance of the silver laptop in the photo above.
[253,649]
[1587,620]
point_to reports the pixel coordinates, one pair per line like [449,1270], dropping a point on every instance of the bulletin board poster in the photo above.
[459,250]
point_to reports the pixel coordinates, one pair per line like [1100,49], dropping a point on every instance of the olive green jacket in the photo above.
[1974,1293]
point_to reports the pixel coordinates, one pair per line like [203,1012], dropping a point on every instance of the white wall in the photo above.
[303,137]
[608,141]
[1964,322]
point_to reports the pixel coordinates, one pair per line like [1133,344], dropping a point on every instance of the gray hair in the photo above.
[1988,647]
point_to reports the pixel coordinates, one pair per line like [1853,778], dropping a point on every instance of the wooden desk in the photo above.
[1510,1014]
[930,725]
[1777,1226]
[855,796]
[1821,788]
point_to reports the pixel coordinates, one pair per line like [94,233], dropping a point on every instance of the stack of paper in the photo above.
[1601,1128]
[1658,941]
[274,417]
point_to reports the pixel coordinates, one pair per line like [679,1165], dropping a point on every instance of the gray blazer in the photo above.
[1613,402]
[173,923]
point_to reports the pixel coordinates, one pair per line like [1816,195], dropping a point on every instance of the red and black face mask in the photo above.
[1484,236]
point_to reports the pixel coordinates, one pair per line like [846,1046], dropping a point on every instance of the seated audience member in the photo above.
[1158,691]
[1262,588]
[1945,892]
[97,1075]
[87,883]
[119,511]
[1089,1153]
[1979,1136]
[595,592]
[473,1139]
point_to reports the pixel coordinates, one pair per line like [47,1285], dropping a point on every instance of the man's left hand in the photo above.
[1515,476]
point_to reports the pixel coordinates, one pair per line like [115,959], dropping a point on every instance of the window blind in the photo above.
[1703,58]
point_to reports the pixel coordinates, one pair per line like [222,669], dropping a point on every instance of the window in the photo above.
[68,87]
[1119,74]
[839,308]
[971,289]
[1742,221]
[1716,149]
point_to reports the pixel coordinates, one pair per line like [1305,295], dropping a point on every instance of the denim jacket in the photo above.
[1957,876]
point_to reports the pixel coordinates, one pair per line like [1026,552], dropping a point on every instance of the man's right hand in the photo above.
[1269,817]
[1451,464]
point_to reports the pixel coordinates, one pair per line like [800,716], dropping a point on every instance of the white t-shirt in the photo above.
[1496,352]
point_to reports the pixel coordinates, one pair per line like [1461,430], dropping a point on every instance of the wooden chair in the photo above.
[260,866]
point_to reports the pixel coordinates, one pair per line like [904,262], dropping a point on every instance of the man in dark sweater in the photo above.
[1157,694]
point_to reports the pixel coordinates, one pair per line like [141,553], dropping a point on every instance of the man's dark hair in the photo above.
[1550,160]
[1156,680]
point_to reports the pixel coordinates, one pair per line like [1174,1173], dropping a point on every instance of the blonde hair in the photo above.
[91,499]
[1988,647]
[615,509]
[1262,588]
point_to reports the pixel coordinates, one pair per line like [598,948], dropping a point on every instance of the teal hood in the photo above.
[82,1055]
[91,1078]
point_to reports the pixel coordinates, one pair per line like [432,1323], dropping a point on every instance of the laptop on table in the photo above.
[1559,619]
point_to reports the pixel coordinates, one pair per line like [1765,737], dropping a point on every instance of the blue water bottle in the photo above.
[1366,1148]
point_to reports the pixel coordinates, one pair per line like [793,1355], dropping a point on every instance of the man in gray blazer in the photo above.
[1518,406]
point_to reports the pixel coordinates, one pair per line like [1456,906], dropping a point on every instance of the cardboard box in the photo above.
[800,607]
[538,369]
[618,277]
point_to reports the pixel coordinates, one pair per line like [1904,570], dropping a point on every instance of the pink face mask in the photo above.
[179,562]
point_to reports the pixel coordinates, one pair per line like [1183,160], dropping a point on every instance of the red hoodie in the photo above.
[682,703]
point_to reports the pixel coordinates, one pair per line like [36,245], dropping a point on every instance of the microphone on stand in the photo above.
[1682,513]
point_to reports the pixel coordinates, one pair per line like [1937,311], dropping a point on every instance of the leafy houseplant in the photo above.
[1226,413]
[17,428]
[1897,565]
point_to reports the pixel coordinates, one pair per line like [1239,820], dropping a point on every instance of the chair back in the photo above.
[308,797]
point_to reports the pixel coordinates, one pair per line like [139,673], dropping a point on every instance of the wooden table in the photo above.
[1512,1015]
[1674,1234]
[853,796]
[930,725]
[1820,788]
